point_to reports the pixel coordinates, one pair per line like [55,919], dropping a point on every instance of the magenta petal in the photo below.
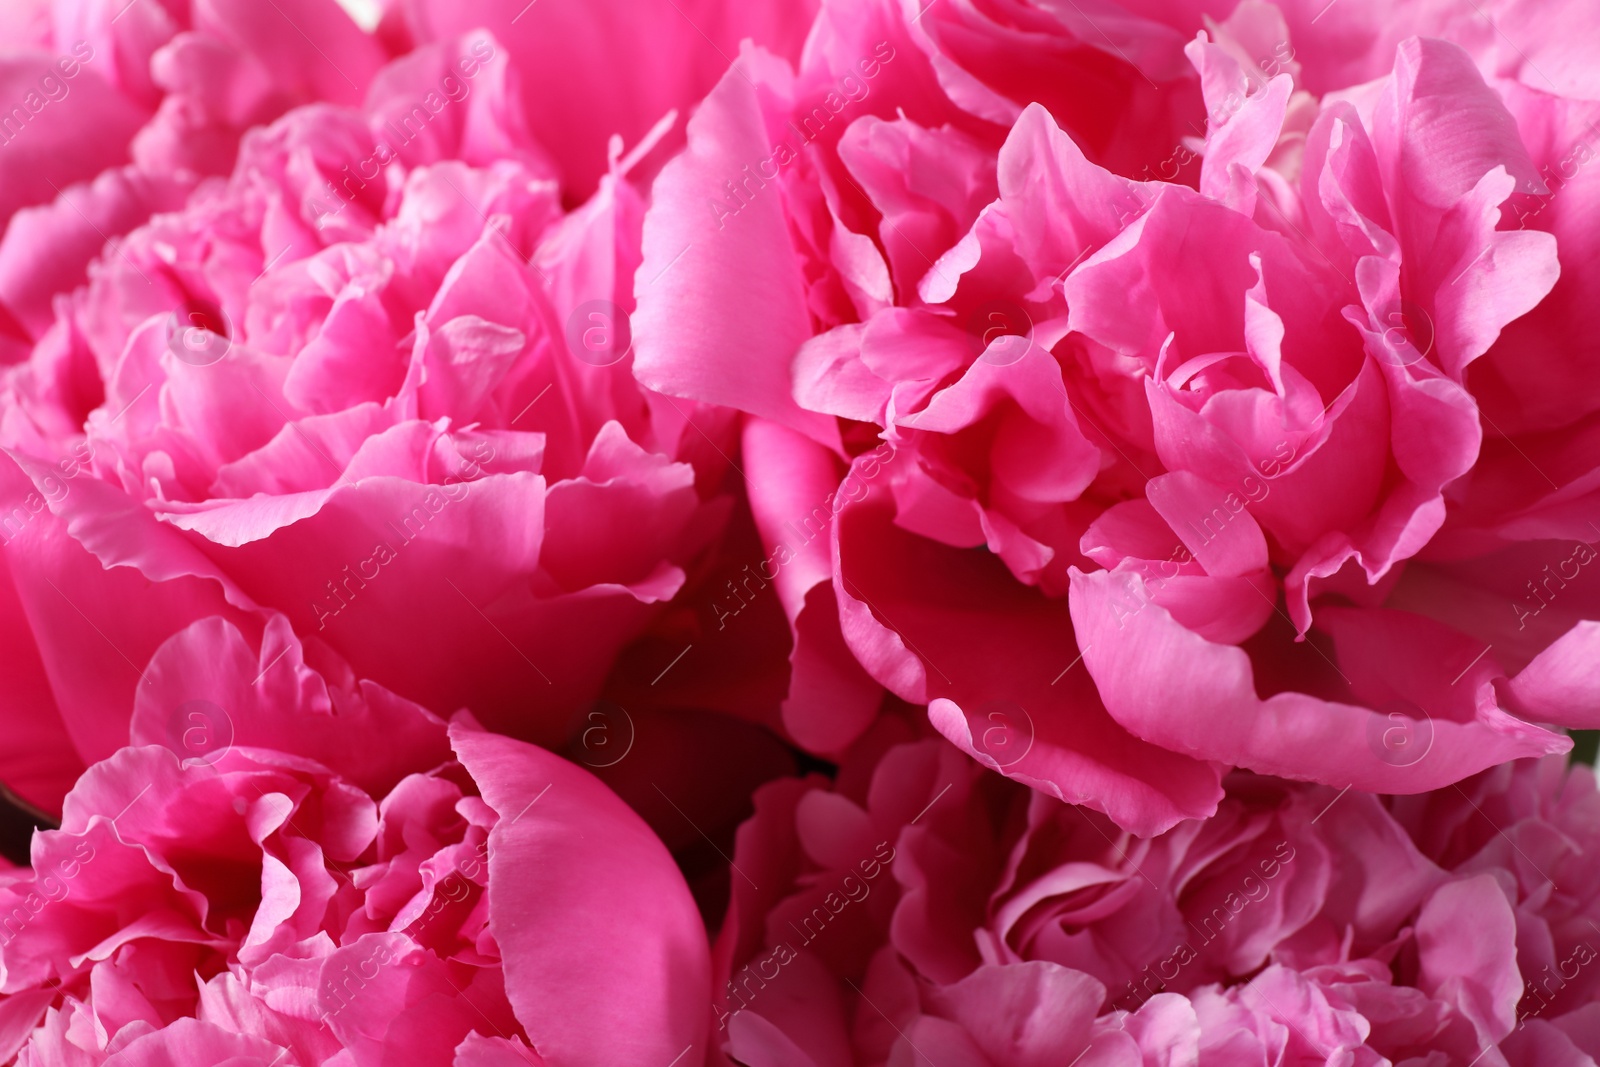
[189,1042]
[656,59]
[947,626]
[1172,687]
[274,700]
[567,855]
[476,1050]
[722,323]
[45,147]
[47,249]
[1562,684]
[38,761]
[1443,128]
[1026,1015]
[295,39]
[1212,522]
[1476,975]
[794,495]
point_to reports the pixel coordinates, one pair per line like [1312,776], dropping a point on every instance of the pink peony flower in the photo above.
[376,381]
[925,909]
[171,87]
[256,882]
[168,90]
[1225,407]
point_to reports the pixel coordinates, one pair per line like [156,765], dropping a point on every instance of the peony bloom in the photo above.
[376,381]
[168,90]
[1225,410]
[1532,826]
[925,909]
[255,882]
[171,87]
[203,72]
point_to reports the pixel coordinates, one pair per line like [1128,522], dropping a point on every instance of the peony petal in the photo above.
[1173,688]
[695,337]
[794,495]
[634,989]
[940,625]
[1562,684]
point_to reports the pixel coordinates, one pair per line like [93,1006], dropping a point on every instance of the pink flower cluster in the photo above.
[311,894]
[1242,444]
[922,910]
[970,533]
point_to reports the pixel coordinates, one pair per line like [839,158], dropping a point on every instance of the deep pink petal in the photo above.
[566,855]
